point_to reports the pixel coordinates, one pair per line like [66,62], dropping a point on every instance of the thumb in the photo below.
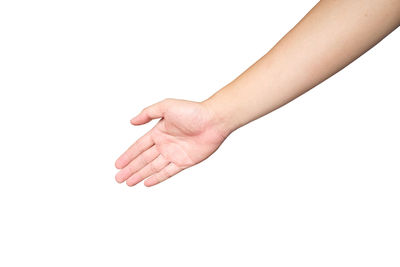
[152,112]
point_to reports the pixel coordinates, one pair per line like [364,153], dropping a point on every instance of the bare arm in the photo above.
[328,38]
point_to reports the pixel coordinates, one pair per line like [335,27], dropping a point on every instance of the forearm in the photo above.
[328,38]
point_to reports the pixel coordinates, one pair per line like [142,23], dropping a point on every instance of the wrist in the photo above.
[222,117]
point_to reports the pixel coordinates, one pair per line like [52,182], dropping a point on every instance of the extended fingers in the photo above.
[141,145]
[138,163]
[153,167]
[170,170]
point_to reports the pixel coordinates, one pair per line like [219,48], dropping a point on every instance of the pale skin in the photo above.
[332,35]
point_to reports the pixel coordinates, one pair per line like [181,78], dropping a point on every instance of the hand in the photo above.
[188,133]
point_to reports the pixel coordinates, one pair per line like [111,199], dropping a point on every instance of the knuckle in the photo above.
[160,178]
[167,174]
[129,169]
[144,111]
[167,101]
[153,167]
[144,159]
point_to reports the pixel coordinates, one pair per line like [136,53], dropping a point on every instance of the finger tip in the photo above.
[116,165]
[118,179]
[136,123]
[148,184]
[134,120]
[119,164]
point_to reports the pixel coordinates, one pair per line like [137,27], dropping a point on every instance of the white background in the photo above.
[315,183]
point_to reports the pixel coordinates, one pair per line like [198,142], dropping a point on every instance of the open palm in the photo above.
[187,134]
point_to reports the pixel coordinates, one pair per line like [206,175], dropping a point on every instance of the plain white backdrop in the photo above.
[315,183]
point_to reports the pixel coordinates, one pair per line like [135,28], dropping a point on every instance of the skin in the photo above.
[186,135]
[332,35]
